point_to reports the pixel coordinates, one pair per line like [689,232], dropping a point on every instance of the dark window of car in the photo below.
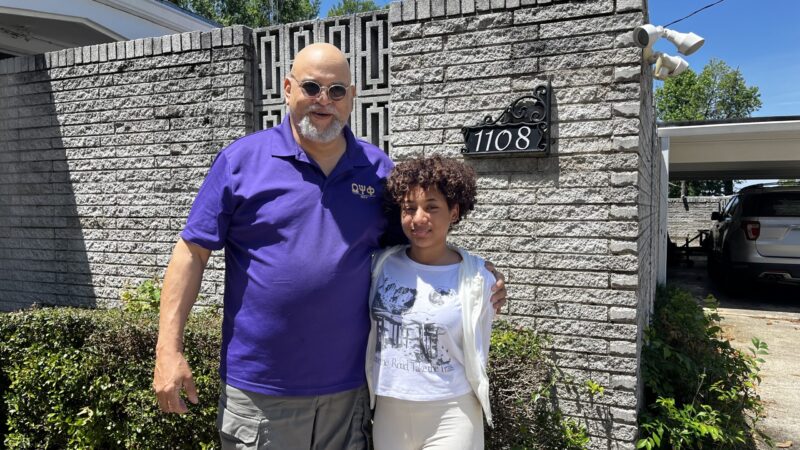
[730,208]
[774,204]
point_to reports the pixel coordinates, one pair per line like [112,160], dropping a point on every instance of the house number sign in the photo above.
[524,127]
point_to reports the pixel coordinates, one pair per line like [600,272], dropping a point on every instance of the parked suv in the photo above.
[757,235]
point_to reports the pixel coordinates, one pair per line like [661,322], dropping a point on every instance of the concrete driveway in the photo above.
[771,313]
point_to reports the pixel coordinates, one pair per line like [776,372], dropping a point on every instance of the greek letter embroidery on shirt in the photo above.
[363,191]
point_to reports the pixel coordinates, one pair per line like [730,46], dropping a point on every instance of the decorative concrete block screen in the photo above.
[363,38]
[576,231]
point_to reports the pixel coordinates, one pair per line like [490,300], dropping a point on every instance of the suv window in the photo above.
[773,204]
[730,208]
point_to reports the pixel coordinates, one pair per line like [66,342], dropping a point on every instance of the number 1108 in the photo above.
[500,140]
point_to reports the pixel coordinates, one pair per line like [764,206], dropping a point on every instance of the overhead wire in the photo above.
[690,15]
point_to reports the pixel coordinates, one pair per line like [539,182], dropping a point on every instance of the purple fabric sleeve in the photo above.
[207,224]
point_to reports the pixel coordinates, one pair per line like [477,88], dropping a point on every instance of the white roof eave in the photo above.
[729,128]
[118,19]
[161,14]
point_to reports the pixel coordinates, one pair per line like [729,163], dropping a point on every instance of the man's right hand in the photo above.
[172,375]
[181,285]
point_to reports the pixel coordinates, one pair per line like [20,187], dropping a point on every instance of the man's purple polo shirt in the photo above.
[297,257]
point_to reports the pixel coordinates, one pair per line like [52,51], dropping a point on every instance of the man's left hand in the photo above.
[499,288]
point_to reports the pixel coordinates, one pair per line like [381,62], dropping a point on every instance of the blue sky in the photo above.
[760,37]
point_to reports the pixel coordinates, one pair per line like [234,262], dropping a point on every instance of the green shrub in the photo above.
[82,379]
[521,383]
[144,297]
[700,392]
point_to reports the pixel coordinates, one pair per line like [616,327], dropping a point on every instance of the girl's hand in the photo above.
[499,288]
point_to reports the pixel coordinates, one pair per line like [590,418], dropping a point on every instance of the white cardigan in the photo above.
[476,315]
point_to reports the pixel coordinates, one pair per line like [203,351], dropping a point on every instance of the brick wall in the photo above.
[102,149]
[573,231]
[686,218]
[651,240]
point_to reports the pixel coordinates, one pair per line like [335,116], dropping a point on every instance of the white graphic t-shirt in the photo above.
[418,315]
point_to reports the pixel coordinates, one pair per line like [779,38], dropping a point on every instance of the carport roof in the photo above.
[755,147]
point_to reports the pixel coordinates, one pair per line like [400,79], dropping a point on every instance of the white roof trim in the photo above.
[46,15]
[31,41]
[763,149]
[159,13]
[129,19]
[729,128]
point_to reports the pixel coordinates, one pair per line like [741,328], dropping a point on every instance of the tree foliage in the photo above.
[717,93]
[702,188]
[345,7]
[253,13]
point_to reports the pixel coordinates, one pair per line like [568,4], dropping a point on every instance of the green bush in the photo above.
[521,383]
[700,392]
[144,297]
[81,379]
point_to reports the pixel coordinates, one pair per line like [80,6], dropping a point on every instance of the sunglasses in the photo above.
[313,89]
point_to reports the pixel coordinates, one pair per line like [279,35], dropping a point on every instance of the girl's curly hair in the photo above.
[454,179]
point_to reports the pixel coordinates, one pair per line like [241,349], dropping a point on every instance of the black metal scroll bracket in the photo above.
[523,127]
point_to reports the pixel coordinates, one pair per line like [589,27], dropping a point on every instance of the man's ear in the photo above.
[454,213]
[287,89]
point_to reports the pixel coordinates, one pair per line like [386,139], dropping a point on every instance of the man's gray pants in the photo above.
[249,420]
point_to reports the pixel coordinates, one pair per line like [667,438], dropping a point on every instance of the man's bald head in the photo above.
[322,57]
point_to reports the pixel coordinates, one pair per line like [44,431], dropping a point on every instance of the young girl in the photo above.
[431,318]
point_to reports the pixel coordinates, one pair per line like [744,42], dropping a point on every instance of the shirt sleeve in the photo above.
[486,316]
[209,218]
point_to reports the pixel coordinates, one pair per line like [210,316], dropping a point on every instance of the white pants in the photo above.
[452,424]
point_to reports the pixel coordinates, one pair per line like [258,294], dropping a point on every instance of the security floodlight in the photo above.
[687,43]
[668,66]
[646,35]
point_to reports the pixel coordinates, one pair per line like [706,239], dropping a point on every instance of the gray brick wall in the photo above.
[650,183]
[573,231]
[102,149]
[685,219]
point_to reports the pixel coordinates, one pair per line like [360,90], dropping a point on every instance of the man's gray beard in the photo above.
[310,132]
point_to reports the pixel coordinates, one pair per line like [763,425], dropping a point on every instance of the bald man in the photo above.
[297,209]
